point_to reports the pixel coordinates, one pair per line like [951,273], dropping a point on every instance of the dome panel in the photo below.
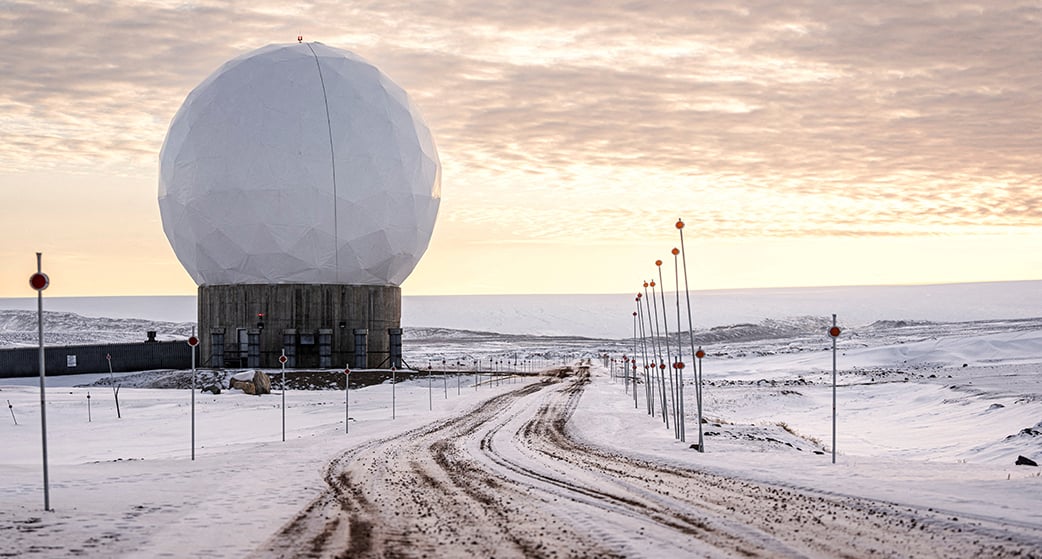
[298,163]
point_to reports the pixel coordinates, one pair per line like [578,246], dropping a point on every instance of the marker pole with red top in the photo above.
[659,351]
[698,397]
[633,359]
[663,402]
[680,350]
[644,355]
[39,281]
[648,391]
[834,333]
[652,375]
[282,360]
[643,349]
[670,369]
[691,335]
[634,354]
[192,342]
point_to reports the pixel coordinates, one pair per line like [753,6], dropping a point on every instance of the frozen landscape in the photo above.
[939,394]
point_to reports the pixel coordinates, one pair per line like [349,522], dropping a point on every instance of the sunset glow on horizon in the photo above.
[804,144]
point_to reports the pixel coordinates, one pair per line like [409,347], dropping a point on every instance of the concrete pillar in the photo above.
[361,346]
[394,336]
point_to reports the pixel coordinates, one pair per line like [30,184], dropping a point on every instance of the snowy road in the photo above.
[508,480]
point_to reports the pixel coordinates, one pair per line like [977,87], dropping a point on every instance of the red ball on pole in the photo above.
[39,281]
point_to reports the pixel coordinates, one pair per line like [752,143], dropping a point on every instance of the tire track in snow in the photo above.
[419,495]
[768,520]
[508,480]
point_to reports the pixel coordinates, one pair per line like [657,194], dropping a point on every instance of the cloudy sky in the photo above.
[804,142]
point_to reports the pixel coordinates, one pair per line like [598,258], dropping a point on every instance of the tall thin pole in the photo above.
[662,362]
[669,362]
[691,336]
[648,400]
[347,398]
[643,352]
[680,352]
[43,382]
[394,384]
[193,390]
[283,397]
[698,396]
[633,367]
[834,333]
[640,332]
[654,343]
[634,360]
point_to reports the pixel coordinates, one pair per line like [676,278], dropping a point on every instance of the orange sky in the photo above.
[804,144]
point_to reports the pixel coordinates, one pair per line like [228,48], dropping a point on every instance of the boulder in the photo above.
[256,383]
[262,383]
[244,385]
[1025,461]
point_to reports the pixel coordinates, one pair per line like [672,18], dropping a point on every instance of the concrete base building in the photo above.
[318,326]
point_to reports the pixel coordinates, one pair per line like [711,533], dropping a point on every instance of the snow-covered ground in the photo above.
[932,415]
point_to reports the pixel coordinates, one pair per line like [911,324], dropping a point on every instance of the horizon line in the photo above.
[619,293]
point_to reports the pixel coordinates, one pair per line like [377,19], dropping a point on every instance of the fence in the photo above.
[79,359]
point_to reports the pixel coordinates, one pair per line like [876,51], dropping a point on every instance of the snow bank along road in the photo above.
[507,480]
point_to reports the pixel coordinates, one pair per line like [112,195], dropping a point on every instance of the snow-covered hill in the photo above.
[610,316]
[19,328]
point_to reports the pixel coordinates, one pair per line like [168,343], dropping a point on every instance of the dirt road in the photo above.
[507,480]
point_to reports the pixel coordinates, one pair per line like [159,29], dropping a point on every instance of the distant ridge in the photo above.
[610,316]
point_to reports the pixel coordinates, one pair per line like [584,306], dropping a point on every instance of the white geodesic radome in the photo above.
[298,163]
